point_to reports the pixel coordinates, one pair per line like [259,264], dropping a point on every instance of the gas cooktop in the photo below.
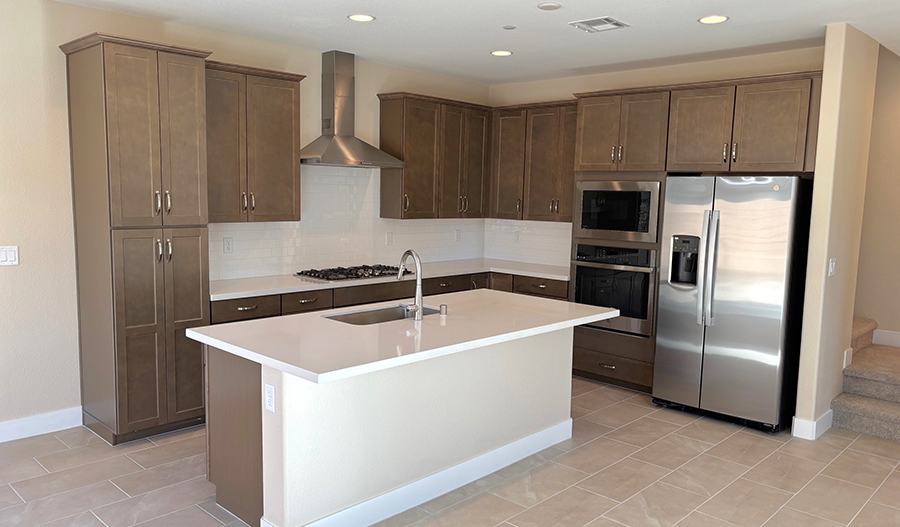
[350,273]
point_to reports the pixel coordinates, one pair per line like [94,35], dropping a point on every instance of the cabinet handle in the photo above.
[540,286]
[557,206]
[460,209]
[620,153]
[159,250]
[168,203]
[169,244]
[158,203]
[519,205]
[466,199]
[448,284]
[725,153]
[551,206]
[405,202]
[247,308]
[474,285]
[252,202]
[244,201]
[734,153]
[307,300]
[608,366]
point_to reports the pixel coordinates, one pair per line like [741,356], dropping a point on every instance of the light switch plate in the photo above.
[832,266]
[228,245]
[9,255]
[270,398]
[518,238]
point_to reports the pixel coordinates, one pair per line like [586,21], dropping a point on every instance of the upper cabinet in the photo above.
[508,164]
[700,126]
[253,140]
[622,132]
[445,145]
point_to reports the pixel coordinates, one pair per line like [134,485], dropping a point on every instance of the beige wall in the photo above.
[848,91]
[38,329]
[878,286]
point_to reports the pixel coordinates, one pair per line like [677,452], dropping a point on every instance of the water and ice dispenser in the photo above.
[685,253]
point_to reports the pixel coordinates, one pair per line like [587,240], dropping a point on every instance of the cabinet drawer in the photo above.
[481,281]
[620,344]
[541,287]
[246,308]
[627,370]
[366,294]
[502,282]
[446,284]
[307,301]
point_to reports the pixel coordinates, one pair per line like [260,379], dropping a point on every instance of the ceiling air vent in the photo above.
[596,25]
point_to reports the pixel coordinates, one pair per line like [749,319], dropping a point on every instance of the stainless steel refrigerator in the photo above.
[732,273]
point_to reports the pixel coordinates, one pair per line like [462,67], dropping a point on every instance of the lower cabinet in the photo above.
[557,289]
[614,357]
[632,373]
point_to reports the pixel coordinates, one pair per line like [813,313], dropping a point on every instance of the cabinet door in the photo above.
[273,149]
[541,164]
[700,124]
[132,124]
[477,161]
[226,146]
[643,133]
[770,125]
[140,328]
[509,165]
[565,195]
[453,131]
[597,142]
[422,144]
[182,129]
[187,306]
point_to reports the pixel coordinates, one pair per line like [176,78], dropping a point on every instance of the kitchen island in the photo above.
[316,421]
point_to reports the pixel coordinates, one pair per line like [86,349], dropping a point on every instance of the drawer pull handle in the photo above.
[247,308]
[608,366]
[448,284]
[540,286]
[308,300]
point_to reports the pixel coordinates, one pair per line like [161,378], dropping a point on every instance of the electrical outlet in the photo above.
[388,238]
[832,264]
[518,238]
[227,245]
[9,255]
[458,235]
[270,398]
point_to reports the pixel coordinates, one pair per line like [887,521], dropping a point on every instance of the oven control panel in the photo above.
[615,255]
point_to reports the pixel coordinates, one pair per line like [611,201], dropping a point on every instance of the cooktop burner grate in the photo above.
[351,273]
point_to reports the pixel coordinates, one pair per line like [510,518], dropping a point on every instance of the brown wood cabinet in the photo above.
[137,117]
[507,188]
[622,132]
[700,124]
[541,163]
[253,142]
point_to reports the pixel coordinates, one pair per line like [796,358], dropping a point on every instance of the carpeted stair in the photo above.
[870,403]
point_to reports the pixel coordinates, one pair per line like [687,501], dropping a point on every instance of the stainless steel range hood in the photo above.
[338,146]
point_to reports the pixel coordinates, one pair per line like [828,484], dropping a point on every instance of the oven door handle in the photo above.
[615,267]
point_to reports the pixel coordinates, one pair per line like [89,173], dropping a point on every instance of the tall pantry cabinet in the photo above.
[137,119]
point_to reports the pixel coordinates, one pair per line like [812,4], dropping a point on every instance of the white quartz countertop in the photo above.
[322,350]
[281,284]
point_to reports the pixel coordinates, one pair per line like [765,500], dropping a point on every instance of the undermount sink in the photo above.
[378,315]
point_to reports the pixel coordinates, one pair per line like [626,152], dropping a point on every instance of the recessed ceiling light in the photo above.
[713,19]
[508,27]
[501,53]
[549,6]
[361,18]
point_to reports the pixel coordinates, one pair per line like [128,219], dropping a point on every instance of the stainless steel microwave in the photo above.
[617,210]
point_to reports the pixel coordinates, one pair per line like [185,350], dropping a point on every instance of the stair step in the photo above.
[874,373]
[867,416]
[863,333]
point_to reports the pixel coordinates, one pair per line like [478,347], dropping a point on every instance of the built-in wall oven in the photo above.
[620,278]
[617,210]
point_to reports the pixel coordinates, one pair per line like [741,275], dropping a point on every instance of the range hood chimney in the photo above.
[338,146]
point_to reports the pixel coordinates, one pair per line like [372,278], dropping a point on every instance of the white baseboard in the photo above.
[40,424]
[812,430]
[887,338]
[425,489]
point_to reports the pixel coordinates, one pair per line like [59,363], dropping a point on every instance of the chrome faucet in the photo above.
[419,306]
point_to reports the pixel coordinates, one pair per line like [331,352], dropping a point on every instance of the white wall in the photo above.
[540,242]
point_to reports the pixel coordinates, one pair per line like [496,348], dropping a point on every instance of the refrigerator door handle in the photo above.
[711,267]
[701,267]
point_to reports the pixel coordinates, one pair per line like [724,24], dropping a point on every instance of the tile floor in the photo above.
[628,463]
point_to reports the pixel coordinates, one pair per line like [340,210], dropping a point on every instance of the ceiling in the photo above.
[455,37]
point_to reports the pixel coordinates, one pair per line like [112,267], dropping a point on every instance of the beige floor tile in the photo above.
[624,479]
[858,467]
[530,462]
[179,435]
[218,512]
[462,493]
[538,484]
[677,417]
[643,431]
[193,516]
[746,503]
[596,455]
[81,476]
[877,446]
[889,493]
[85,519]
[844,434]
[617,392]
[744,449]
[578,413]
[672,451]
[162,475]
[78,437]
[875,515]
[404,519]
[594,400]
[603,522]
[709,430]
[19,470]
[571,508]
[785,472]
[617,415]
[8,497]
[482,510]
[782,437]
[156,503]
[643,400]
[705,475]
[698,519]
[59,506]
[168,453]
[823,450]
[89,454]
[788,517]
[831,499]
[660,505]
[583,386]
[583,431]
[19,449]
